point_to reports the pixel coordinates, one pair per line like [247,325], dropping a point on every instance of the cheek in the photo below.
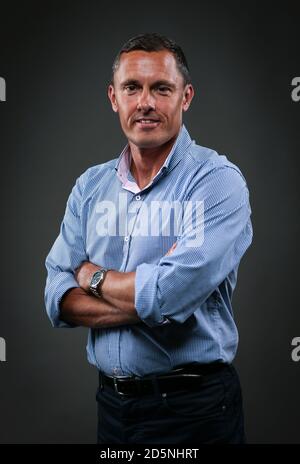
[171,109]
[174,114]
[126,110]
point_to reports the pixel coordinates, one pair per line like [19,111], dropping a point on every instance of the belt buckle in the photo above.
[116,387]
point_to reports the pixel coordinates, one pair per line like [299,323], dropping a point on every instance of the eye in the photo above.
[163,89]
[130,88]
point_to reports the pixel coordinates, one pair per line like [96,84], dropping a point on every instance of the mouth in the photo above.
[147,123]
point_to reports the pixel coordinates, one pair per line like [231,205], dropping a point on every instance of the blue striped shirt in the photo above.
[183,299]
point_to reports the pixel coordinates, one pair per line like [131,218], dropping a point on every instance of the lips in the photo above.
[147,122]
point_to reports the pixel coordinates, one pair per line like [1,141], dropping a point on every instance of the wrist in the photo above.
[108,282]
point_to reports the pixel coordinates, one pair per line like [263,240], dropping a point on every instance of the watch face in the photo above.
[96,278]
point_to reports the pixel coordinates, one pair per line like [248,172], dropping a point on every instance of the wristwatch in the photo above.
[97,280]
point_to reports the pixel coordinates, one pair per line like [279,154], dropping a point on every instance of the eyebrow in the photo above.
[155,84]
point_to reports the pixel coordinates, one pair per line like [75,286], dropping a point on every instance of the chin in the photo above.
[149,141]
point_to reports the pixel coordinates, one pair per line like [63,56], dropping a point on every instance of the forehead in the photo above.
[141,65]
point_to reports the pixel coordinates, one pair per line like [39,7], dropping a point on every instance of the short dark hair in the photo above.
[153,42]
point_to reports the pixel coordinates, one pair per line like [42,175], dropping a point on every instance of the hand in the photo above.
[84,273]
[170,251]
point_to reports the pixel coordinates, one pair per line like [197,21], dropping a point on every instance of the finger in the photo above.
[170,251]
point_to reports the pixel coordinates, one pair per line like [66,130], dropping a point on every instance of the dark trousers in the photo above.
[211,414]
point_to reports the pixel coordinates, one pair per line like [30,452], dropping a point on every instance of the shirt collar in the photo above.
[177,152]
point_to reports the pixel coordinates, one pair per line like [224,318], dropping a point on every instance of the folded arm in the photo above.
[155,293]
[81,309]
[116,307]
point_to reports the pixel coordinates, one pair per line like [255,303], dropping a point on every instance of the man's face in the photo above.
[149,94]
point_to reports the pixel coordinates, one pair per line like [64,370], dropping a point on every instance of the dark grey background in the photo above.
[56,122]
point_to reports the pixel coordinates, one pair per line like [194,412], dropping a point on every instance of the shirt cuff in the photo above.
[146,295]
[63,282]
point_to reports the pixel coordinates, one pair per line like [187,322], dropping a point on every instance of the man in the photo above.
[147,258]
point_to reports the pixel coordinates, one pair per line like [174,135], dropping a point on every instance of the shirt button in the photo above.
[138,197]
[126,238]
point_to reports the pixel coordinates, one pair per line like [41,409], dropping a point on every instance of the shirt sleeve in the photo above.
[66,254]
[217,232]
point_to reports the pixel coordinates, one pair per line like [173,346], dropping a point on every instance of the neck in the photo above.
[146,162]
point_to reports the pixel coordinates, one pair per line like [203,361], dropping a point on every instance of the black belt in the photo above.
[186,377]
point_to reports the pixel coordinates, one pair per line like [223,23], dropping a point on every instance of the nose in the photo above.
[146,101]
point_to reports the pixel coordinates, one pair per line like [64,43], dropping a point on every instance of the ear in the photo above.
[112,96]
[187,97]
